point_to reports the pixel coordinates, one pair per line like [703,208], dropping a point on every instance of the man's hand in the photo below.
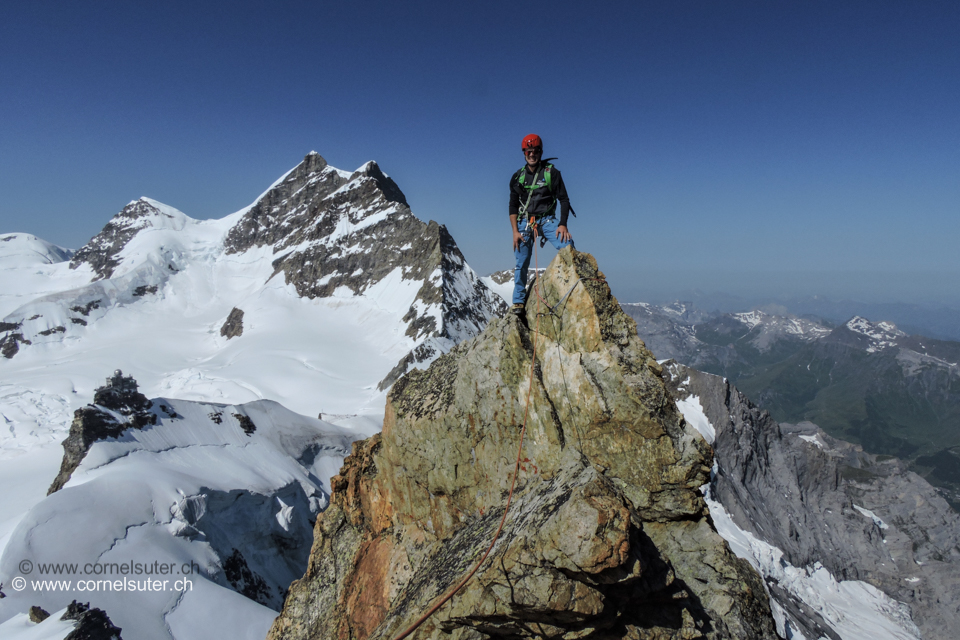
[517,238]
[563,234]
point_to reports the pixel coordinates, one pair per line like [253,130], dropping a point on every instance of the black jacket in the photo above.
[543,201]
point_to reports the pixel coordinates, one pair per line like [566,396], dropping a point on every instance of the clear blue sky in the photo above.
[774,146]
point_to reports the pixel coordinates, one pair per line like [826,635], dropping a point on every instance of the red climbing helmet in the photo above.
[532,141]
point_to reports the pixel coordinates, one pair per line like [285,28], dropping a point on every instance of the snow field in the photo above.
[189,490]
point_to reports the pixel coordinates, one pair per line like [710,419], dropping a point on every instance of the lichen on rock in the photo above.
[608,535]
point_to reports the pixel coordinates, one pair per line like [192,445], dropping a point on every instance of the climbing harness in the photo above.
[535,184]
[532,187]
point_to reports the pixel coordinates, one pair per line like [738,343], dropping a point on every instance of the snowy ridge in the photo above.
[801,328]
[682,311]
[20,627]
[751,318]
[882,335]
[17,249]
[501,282]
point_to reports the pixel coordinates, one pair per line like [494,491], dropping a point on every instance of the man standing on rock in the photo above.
[535,191]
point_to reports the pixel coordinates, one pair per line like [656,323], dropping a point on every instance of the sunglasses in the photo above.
[533,150]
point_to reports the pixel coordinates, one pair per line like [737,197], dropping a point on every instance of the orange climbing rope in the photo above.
[516,470]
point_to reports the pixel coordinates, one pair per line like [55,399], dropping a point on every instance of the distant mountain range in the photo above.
[862,381]
[935,320]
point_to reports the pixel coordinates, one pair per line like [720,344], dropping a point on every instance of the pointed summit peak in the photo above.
[384,182]
[606,516]
[313,162]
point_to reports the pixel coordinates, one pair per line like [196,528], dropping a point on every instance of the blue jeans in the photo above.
[548,228]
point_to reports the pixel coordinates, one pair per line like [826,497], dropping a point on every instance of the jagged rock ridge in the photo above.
[609,536]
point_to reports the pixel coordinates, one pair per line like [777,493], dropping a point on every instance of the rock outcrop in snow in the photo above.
[117,406]
[233,327]
[608,536]
[77,621]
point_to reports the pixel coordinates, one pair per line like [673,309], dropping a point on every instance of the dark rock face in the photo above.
[92,624]
[10,343]
[99,421]
[805,493]
[50,332]
[246,423]
[608,536]
[233,327]
[102,251]
[244,581]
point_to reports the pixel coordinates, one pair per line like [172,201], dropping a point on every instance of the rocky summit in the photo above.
[608,535]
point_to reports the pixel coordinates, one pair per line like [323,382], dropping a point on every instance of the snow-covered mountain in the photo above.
[222,496]
[19,249]
[336,237]
[316,296]
[501,282]
[874,336]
